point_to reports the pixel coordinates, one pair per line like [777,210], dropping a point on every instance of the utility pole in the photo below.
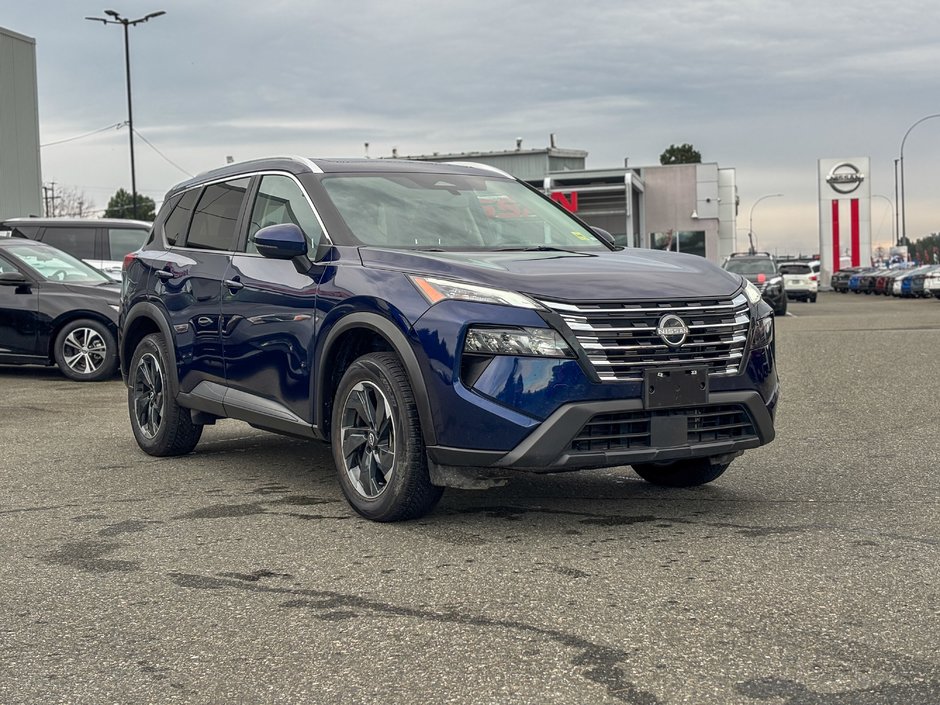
[117,19]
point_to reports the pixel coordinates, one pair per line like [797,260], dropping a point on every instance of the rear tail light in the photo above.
[813,277]
[128,258]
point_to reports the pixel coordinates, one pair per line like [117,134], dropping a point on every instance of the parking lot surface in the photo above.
[807,574]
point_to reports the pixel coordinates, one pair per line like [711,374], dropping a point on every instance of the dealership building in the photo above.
[683,207]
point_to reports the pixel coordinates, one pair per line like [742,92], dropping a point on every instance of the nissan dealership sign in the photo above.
[845,178]
[844,214]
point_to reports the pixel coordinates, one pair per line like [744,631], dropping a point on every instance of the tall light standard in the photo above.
[117,19]
[750,227]
[903,207]
[891,205]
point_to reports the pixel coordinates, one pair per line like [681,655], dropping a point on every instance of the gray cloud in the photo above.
[765,87]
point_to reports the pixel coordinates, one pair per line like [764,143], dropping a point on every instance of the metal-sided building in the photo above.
[20,177]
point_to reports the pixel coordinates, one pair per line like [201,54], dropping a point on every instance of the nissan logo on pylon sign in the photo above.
[845,178]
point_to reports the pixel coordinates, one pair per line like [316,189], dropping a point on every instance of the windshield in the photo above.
[451,211]
[751,266]
[55,265]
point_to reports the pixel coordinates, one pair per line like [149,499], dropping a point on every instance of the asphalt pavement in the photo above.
[806,575]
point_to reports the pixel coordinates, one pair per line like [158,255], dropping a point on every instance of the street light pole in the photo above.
[750,227]
[903,206]
[117,19]
[891,205]
[897,224]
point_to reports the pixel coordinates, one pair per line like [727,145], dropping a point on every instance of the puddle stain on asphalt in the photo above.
[601,664]
[790,692]
[88,556]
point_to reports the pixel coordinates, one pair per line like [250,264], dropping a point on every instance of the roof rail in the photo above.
[485,167]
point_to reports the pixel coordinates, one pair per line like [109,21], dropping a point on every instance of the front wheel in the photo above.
[377,442]
[85,350]
[681,473]
[161,426]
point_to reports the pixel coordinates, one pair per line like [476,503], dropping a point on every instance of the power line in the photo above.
[115,126]
[170,161]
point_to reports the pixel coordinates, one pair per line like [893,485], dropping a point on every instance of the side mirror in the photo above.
[283,241]
[13,279]
[604,235]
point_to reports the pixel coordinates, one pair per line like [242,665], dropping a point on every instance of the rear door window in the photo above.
[213,224]
[78,242]
[124,240]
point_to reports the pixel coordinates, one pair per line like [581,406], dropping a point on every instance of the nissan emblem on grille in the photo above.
[672,330]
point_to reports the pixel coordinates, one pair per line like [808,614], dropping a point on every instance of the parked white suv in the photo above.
[801,279]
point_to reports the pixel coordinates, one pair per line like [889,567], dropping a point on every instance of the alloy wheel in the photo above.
[84,350]
[149,395]
[368,439]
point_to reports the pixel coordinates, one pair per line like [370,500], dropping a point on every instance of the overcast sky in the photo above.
[764,87]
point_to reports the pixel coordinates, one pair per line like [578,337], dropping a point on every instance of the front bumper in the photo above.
[619,432]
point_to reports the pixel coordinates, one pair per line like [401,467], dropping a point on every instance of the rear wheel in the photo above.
[681,473]
[812,299]
[161,426]
[377,443]
[85,350]
[782,309]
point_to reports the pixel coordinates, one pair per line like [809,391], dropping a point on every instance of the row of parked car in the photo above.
[908,282]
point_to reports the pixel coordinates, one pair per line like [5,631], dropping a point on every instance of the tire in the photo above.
[782,311]
[681,473]
[161,426]
[812,299]
[377,443]
[86,351]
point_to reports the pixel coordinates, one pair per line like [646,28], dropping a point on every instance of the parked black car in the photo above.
[55,309]
[840,280]
[100,242]
[761,269]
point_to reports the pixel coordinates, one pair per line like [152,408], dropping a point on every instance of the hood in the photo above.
[109,293]
[596,276]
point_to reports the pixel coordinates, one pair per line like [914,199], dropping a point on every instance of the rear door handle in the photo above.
[164,274]
[233,284]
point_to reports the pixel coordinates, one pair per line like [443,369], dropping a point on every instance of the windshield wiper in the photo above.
[538,248]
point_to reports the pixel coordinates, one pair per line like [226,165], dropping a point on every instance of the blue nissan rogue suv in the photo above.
[439,325]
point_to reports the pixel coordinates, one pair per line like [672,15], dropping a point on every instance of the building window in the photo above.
[692,242]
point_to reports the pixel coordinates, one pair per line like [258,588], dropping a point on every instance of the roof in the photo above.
[316,165]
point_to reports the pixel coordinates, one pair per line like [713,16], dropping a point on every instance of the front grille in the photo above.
[630,430]
[621,341]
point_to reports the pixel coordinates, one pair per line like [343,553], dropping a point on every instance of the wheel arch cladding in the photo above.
[356,335]
[143,320]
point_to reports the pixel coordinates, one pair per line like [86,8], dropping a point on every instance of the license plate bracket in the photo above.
[664,389]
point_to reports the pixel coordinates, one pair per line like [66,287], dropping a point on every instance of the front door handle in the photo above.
[233,284]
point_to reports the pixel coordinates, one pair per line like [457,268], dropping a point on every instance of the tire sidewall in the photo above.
[368,369]
[108,366]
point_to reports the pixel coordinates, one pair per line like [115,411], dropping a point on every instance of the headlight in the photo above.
[435,290]
[545,342]
[763,332]
[751,292]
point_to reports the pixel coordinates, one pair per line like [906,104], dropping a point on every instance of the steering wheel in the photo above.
[59,275]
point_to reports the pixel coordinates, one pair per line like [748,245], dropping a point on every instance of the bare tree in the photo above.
[67,202]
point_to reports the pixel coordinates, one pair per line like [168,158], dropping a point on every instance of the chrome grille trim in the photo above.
[620,339]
